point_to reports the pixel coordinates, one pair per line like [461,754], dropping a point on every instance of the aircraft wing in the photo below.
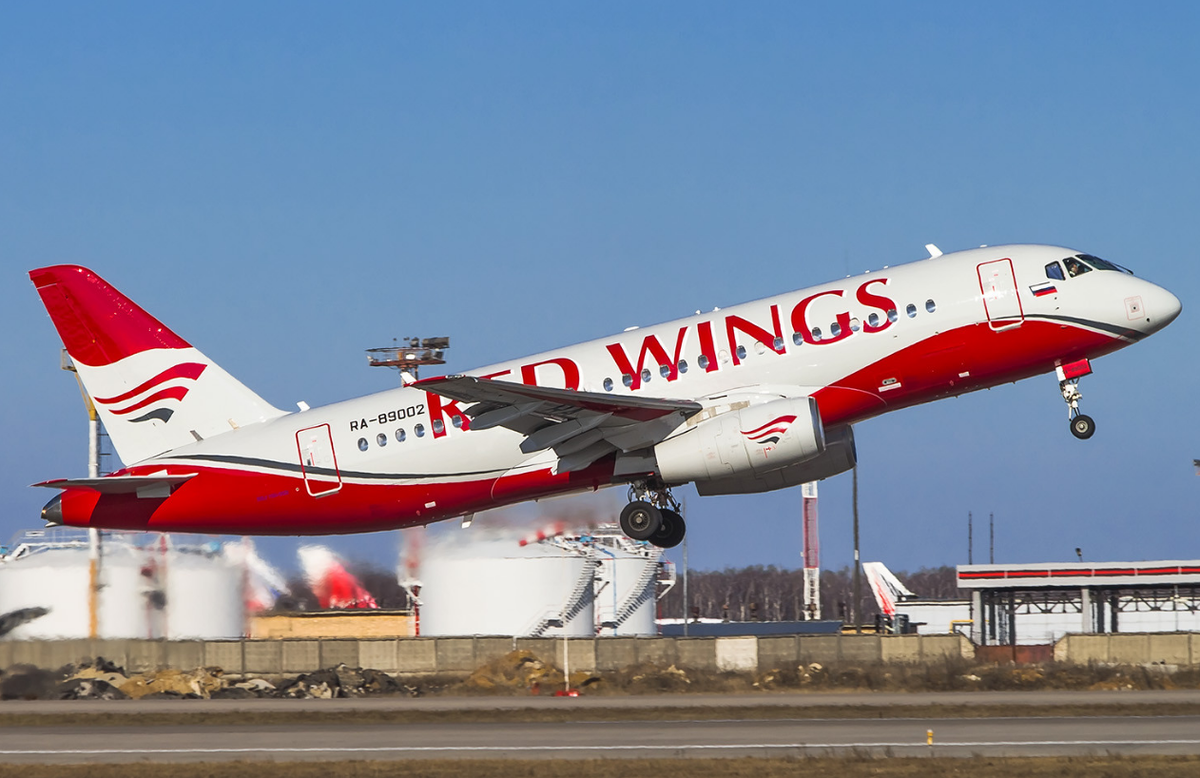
[581,427]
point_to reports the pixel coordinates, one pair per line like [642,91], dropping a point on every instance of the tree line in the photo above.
[769,593]
[755,593]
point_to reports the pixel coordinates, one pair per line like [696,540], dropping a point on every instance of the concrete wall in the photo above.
[1172,648]
[459,656]
[356,624]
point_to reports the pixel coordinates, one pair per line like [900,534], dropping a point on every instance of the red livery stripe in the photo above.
[773,430]
[185,370]
[170,393]
[779,420]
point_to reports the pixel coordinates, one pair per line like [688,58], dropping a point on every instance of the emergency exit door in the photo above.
[998,283]
[318,462]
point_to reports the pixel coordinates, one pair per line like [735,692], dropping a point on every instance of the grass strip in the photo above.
[743,767]
[568,714]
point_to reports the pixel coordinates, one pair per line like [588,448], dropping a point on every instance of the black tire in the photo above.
[640,520]
[671,531]
[1083,427]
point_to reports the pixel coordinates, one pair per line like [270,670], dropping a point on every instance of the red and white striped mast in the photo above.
[812,554]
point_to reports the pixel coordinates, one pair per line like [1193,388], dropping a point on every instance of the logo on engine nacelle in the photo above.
[770,433]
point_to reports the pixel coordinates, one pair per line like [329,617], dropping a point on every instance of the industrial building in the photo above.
[1040,603]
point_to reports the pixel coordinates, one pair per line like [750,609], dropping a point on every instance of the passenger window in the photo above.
[438,427]
[381,439]
[911,310]
[664,370]
[778,342]
[608,384]
[930,306]
[873,320]
[835,329]
[855,325]
[741,352]
[702,362]
[1054,270]
[420,430]
[400,435]
[646,375]
[683,366]
[1075,267]
[363,444]
[816,333]
[456,420]
[627,379]
[893,317]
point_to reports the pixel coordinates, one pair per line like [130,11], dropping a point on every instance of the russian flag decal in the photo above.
[1041,290]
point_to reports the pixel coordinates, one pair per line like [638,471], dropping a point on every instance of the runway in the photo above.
[680,701]
[676,738]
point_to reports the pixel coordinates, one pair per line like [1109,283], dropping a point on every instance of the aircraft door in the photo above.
[318,462]
[1001,303]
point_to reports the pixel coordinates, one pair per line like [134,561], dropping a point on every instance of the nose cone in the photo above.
[52,513]
[1161,308]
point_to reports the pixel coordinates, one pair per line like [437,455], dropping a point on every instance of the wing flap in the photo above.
[581,427]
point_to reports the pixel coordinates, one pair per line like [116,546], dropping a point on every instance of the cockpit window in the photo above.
[1103,264]
[1055,271]
[1075,267]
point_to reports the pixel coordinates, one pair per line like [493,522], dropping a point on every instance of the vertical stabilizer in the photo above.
[886,587]
[152,390]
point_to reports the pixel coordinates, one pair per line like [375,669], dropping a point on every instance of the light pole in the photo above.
[857,564]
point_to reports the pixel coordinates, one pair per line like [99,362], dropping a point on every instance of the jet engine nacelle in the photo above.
[755,439]
[838,457]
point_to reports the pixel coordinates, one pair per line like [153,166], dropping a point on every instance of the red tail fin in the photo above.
[152,390]
[98,324]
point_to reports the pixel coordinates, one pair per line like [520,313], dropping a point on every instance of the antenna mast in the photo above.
[812,554]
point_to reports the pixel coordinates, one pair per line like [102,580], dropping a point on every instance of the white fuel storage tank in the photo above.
[147,587]
[497,587]
[628,576]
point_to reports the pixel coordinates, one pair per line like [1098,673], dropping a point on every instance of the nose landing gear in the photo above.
[1082,426]
[653,515]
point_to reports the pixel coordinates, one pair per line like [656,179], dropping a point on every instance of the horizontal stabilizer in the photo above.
[156,485]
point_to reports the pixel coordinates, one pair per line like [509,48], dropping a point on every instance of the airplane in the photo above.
[752,398]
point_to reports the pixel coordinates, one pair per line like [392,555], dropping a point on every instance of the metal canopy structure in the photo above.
[409,354]
[1055,598]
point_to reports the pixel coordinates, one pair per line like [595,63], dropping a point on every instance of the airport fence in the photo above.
[460,656]
[422,656]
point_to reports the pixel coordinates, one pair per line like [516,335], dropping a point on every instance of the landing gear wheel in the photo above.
[640,520]
[671,531]
[1083,427]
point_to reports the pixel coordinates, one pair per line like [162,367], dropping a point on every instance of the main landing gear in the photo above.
[1082,425]
[653,514]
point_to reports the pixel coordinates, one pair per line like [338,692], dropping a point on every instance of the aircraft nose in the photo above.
[52,512]
[1162,308]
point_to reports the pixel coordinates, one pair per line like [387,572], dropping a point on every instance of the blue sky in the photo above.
[287,184]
